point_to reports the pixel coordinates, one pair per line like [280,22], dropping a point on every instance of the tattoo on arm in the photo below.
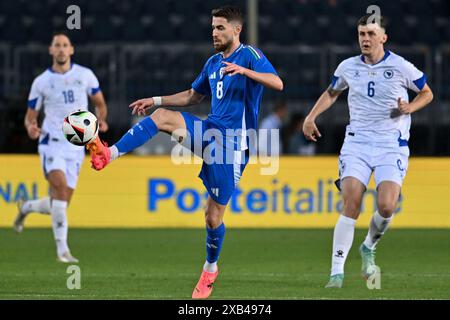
[332,92]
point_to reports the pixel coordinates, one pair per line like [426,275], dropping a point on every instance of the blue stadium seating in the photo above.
[286,21]
[282,23]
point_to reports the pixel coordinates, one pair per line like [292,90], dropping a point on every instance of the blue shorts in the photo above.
[220,179]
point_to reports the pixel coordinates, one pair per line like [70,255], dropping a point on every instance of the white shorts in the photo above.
[54,158]
[359,160]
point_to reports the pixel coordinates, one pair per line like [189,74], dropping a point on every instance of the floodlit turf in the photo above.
[254,264]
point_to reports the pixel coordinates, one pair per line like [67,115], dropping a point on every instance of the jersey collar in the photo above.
[387,53]
[234,52]
[53,71]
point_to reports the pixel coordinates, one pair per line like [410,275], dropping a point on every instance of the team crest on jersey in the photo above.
[388,74]
[356,75]
[221,72]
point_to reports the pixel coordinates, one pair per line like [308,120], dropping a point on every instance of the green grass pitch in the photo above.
[254,264]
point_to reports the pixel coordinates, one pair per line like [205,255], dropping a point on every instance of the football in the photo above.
[80,127]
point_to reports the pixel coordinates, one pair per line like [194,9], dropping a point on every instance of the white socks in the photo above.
[41,205]
[343,238]
[210,267]
[377,227]
[342,242]
[59,225]
[115,153]
[57,209]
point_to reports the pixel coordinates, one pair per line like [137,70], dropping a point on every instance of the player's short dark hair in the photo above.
[60,33]
[231,13]
[365,19]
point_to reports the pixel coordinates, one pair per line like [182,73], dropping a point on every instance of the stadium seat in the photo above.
[158,9]
[133,30]
[128,9]
[420,8]
[40,31]
[14,31]
[399,34]
[12,9]
[446,32]
[98,8]
[309,32]
[442,134]
[427,32]
[339,32]
[102,29]
[281,23]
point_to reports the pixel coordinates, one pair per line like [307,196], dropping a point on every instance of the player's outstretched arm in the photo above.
[268,80]
[423,98]
[31,124]
[101,110]
[181,99]
[325,101]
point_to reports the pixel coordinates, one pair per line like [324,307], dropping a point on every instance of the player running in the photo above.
[61,89]
[234,78]
[376,140]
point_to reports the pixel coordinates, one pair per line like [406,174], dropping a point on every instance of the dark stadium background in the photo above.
[142,48]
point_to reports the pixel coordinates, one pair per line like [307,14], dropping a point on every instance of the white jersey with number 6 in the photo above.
[373,94]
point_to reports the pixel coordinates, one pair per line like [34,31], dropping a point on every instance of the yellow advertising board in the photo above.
[154,192]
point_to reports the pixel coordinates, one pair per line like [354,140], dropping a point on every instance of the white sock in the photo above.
[41,205]
[342,242]
[210,267]
[377,227]
[115,153]
[59,224]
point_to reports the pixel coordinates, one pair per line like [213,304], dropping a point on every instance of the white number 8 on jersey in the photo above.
[219,90]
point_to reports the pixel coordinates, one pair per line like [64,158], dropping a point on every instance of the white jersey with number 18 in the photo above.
[61,94]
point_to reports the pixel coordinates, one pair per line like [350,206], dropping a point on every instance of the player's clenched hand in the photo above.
[33,131]
[310,130]
[403,107]
[231,69]
[141,106]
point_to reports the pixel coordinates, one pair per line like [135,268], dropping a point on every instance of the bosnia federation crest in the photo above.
[388,74]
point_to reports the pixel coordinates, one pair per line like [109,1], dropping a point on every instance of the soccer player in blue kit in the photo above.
[234,78]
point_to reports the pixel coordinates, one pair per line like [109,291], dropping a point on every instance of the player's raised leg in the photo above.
[61,195]
[387,197]
[352,193]
[215,233]
[160,120]
[25,207]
